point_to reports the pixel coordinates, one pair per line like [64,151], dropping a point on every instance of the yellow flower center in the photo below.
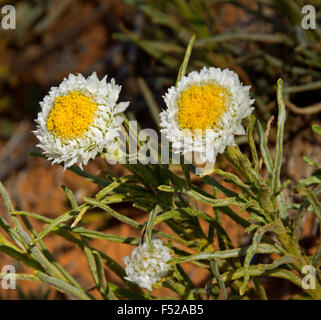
[71,115]
[201,107]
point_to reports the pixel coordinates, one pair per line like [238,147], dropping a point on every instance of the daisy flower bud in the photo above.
[79,119]
[147,268]
[204,112]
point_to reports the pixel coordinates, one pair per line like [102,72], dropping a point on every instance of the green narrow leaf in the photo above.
[235,217]
[184,277]
[255,159]
[150,100]
[125,293]
[317,257]
[264,148]
[276,180]
[62,286]
[150,225]
[312,163]
[297,223]
[39,256]
[236,180]
[314,179]
[102,282]
[105,236]
[12,251]
[314,202]
[9,205]
[12,234]
[21,276]
[33,215]
[252,250]
[63,218]
[91,264]
[217,275]
[201,197]
[202,215]
[182,69]
[151,47]
[259,288]
[214,183]
[80,216]
[284,185]
[255,272]
[113,213]
[316,129]
[111,187]
[227,254]
[71,197]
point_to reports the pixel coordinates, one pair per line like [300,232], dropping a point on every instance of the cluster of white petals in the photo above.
[216,139]
[100,135]
[147,268]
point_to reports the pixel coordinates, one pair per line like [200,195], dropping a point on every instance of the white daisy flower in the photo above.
[204,112]
[147,268]
[79,119]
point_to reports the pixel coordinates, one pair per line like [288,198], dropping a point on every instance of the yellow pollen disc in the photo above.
[71,115]
[201,107]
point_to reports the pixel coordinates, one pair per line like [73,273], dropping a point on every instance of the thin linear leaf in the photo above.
[125,293]
[150,225]
[213,182]
[39,256]
[182,69]
[111,187]
[264,148]
[102,283]
[314,202]
[260,288]
[284,185]
[217,275]
[255,159]
[317,257]
[252,250]
[62,286]
[312,163]
[236,180]
[80,216]
[72,199]
[316,129]
[105,236]
[9,249]
[255,272]
[198,196]
[227,254]
[113,213]
[276,180]
[8,205]
[12,234]
[150,100]
[20,276]
[63,218]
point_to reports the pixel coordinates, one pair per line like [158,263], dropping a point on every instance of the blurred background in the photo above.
[141,44]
